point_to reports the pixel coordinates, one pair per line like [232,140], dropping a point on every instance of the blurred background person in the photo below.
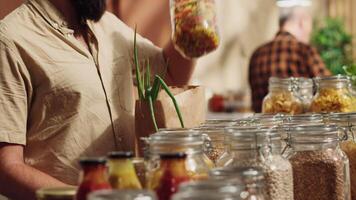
[289,54]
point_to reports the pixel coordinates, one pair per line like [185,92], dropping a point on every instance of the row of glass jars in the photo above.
[296,95]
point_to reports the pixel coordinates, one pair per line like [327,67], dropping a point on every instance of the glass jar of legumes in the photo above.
[194,23]
[320,167]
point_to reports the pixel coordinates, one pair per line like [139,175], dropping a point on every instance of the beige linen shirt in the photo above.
[61,100]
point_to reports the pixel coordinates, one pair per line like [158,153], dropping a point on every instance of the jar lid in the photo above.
[309,134]
[243,173]
[222,186]
[123,194]
[120,155]
[183,137]
[60,193]
[85,161]
[342,117]
[169,156]
[253,138]
[206,195]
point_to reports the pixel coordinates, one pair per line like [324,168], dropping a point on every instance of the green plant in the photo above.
[334,45]
[350,70]
[149,93]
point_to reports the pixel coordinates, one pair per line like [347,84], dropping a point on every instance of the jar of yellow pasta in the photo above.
[334,95]
[282,97]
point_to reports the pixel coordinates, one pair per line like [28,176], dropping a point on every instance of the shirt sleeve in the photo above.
[316,65]
[13,97]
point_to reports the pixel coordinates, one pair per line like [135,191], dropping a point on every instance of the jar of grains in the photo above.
[348,122]
[262,148]
[185,141]
[195,31]
[333,95]
[214,141]
[320,167]
[282,98]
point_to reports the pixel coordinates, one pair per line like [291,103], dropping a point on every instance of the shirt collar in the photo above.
[284,34]
[51,14]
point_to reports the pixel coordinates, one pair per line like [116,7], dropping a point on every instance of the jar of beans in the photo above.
[261,148]
[348,122]
[194,25]
[320,167]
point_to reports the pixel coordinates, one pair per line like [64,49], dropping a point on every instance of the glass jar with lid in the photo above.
[348,122]
[320,167]
[305,90]
[189,142]
[333,95]
[282,97]
[122,172]
[214,141]
[194,25]
[56,193]
[93,177]
[262,148]
[122,195]
[252,180]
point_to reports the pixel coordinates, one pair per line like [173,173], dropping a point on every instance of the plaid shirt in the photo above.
[283,57]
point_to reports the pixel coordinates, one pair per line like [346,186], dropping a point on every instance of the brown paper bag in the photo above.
[191,101]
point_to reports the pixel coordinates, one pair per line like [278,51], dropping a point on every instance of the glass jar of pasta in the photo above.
[194,25]
[333,95]
[282,97]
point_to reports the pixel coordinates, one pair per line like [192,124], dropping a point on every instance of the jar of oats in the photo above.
[320,167]
[282,97]
[334,94]
[261,148]
[348,122]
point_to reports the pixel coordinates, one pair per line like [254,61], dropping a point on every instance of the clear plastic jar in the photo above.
[348,123]
[194,25]
[189,142]
[262,148]
[252,180]
[93,177]
[282,98]
[320,167]
[214,141]
[206,195]
[122,172]
[123,195]
[333,95]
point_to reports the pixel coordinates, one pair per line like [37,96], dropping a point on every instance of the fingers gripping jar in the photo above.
[282,98]
[194,24]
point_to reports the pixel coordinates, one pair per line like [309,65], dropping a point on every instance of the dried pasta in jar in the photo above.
[195,31]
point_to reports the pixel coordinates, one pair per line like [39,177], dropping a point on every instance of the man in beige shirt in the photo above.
[66,90]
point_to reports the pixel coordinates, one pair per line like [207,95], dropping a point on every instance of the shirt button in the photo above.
[56,26]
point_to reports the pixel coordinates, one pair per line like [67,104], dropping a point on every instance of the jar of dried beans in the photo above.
[262,148]
[333,95]
[194,23]
[282,98]
[348,122]
[320,167]
[187,142]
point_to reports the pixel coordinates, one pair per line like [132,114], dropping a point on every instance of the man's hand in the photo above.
[18,180]
[180,69]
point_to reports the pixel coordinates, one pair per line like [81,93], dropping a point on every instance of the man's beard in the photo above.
[89,9]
